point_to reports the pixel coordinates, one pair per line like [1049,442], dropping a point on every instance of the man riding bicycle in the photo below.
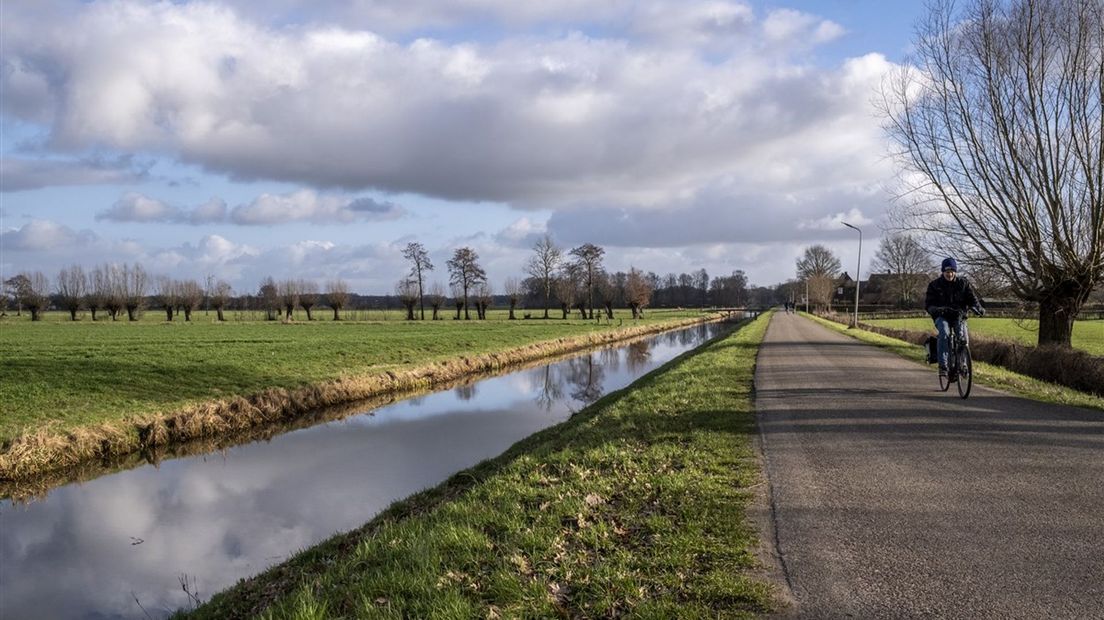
[948,297]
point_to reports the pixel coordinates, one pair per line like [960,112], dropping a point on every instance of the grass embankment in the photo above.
[988,374]
[1087,335]
[634,506]
[76,391]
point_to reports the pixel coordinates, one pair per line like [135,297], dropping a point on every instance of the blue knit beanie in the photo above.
[950,263]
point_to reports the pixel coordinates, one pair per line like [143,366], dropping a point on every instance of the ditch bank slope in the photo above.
[46,450]
[635,506]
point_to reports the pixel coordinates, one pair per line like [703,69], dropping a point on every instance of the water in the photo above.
[90,550]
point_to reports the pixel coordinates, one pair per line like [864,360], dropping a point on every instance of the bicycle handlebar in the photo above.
[949,312]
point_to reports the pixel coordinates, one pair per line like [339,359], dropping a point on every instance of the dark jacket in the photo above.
[957,294]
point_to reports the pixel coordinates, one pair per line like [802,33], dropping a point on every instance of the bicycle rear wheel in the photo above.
[965,372]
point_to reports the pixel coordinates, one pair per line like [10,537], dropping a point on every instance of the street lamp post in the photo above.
[858,266]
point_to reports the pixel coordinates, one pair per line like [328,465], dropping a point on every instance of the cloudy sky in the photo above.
[316,138]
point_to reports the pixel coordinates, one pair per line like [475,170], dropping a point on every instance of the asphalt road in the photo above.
[891,499]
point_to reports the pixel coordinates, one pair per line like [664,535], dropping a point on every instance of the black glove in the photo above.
[978,310]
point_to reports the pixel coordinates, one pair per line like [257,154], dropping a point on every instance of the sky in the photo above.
[315,139]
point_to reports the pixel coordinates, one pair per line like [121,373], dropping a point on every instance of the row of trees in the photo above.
[113,290]
[565,280]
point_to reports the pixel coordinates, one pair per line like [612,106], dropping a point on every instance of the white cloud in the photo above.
[836,221]
[265,210]
[44,236]
[310,206]
[790,26]
[533,120]
[22,174]
[134,207]
[522,233]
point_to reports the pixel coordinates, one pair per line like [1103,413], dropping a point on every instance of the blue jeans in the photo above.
[943,327]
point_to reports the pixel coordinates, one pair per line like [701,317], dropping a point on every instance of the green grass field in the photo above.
[74,373]
[1087,335]
[634,507]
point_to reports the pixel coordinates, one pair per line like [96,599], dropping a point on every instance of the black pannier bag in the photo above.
[930,344]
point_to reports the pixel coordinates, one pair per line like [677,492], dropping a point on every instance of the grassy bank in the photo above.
[145,385]
[636,505]
[74,374]
[987,374]
[1087,335]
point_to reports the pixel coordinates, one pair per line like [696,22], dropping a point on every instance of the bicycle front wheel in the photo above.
[965,372]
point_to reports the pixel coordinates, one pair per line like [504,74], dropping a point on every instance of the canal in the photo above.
[125,545]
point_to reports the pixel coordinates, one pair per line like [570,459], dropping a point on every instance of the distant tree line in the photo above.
[556,280]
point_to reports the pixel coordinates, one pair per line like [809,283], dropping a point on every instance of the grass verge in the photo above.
[51,447]
[634,506]
[1087,335]
[989,374]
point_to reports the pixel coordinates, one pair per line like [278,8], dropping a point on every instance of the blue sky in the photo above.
[314,139]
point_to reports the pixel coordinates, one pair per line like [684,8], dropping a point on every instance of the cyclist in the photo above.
[948,296]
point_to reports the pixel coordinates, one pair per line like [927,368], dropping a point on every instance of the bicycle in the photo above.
[960,364]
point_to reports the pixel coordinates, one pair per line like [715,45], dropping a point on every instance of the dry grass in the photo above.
[32,456]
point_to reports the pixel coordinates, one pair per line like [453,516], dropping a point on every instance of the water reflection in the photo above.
[585,378]
[89,550]
[466,392]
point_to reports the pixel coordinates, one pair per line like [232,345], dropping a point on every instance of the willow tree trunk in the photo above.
[1057,314]
[337,314]
[218,311]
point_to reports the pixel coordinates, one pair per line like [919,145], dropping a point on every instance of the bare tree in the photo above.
[419,266]
[701,284]
[33,293]
[308,296]
[96,290]
[638,292]
[465,272]
[168,295]
[17,286]
[115,297]
[219,296]
[191,296]
[1000,124]
[607,292]
[483,296]
[337,295]
[589,258]
[407,291]
[135,281]
[436,299]
[820,267]
[269,294]
[543,265]
[458,298]
[513,292]
[289,297]
[904,259]
[567,288]
[70,289]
